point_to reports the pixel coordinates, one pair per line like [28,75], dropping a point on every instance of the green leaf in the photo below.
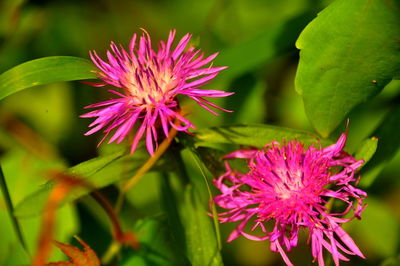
[202,248]
[170,205]
[367,149]
[251,135]
[348,54]
[156,245]
[10,210]
[21,171]
[204,173]
[101,171]
[43,71]
[191,227]
[388,133]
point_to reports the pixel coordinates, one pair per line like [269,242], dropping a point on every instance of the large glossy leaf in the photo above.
[100,171]
[252,135]
[44,70]
[348,54]
[78,257]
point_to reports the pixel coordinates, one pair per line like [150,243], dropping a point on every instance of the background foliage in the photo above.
[349,60]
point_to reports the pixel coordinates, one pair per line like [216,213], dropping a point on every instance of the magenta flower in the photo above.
[149,83]
[287,188]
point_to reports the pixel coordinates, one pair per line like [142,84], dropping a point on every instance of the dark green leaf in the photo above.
[156,245]
[170,205]
[43,71]
[252,135]
[348,54]
[388,133]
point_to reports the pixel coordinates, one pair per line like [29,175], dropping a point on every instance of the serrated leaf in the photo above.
[251,135]
[100,172]
[45,70]
[87,257]
[348,54]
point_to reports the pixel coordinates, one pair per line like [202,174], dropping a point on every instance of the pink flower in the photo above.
[149,82]
[287,188]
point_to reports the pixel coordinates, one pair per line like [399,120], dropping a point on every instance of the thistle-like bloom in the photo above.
[149,82]
[287,188]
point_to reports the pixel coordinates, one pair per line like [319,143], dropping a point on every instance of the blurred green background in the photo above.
[40,128]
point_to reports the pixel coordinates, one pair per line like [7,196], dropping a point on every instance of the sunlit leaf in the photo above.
[253,135]
[43,71]
[87,257]
[348,54]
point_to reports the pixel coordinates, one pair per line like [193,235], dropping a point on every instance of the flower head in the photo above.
[149,82]
[287,188]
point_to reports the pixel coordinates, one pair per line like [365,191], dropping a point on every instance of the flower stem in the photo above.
[145,168]
[65,184]
[114,247]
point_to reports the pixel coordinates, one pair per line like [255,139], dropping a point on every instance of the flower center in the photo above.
[149,85]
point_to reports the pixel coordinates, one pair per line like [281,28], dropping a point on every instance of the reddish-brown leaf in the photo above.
[87,257]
